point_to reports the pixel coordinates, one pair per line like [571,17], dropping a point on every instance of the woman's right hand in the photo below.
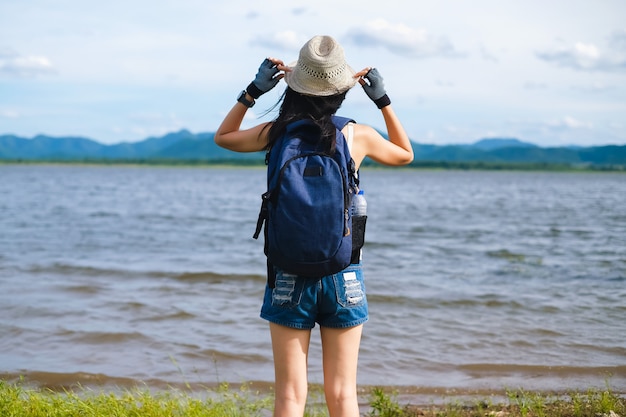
[267,77]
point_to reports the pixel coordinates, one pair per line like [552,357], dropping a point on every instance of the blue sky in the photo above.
[547,72]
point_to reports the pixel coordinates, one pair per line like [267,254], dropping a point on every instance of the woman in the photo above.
[316,87]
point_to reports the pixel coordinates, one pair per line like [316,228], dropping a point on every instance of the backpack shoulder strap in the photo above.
[341,122]
[350,136]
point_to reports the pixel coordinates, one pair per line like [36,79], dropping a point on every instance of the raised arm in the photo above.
[229,135]
[368,142]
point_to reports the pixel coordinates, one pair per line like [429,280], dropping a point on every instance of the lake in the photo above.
[475,279]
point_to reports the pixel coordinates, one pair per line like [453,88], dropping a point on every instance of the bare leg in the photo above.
[291,350]
[340,349]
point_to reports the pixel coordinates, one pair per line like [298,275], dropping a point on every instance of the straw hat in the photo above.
[321,69]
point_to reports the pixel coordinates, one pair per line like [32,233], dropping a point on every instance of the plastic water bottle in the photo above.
[359,204]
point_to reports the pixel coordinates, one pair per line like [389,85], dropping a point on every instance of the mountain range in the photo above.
[187,146]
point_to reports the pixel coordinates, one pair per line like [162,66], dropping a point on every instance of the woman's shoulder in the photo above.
[365,130]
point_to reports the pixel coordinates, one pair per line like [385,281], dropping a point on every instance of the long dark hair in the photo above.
[319,109]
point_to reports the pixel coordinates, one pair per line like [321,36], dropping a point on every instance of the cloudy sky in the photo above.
[550,72]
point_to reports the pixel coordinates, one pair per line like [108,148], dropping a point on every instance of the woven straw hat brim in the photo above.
[303,83]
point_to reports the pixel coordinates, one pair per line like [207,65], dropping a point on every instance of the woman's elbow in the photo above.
[407,159]
[221,141]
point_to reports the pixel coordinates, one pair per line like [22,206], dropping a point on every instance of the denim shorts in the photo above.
[336,300]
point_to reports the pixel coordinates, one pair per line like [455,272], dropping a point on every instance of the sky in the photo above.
[549,72]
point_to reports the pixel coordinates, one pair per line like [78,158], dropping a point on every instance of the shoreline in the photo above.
[244,398]
[422,165]
[421,395]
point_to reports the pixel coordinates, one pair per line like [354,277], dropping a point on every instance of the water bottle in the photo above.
[359,204]
[359,218]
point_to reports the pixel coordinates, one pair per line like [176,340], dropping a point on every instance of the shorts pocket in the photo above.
[287,292]
[349,287]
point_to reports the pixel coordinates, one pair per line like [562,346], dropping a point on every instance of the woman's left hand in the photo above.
[372,83]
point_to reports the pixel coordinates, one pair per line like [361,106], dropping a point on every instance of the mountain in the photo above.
[611,155]
[489,144]
[46,147]
[187,146]
[202,147]
[148,146]
[182,145]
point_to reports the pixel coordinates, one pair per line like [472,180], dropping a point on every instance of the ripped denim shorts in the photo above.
[336,300]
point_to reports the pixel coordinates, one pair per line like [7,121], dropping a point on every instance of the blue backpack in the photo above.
[306,209]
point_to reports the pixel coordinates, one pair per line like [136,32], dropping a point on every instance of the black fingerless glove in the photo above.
[375,88]
[265,79]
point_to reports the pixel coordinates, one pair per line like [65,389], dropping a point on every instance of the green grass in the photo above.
[592,403]
[18,400]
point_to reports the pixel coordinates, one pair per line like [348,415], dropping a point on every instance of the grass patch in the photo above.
[592,403]
[17,400]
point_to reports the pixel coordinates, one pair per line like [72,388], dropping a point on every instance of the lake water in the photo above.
[476,280]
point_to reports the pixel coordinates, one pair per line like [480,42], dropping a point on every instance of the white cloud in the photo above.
[7,53]
[617,40]
[488,55]
[402,40]
[146,124]
[298,11]
[533,85]
[444,83]
[13,64]
[569,123]
[588,56]
[9,114]
[558,131]
[284,41]
[593,88]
